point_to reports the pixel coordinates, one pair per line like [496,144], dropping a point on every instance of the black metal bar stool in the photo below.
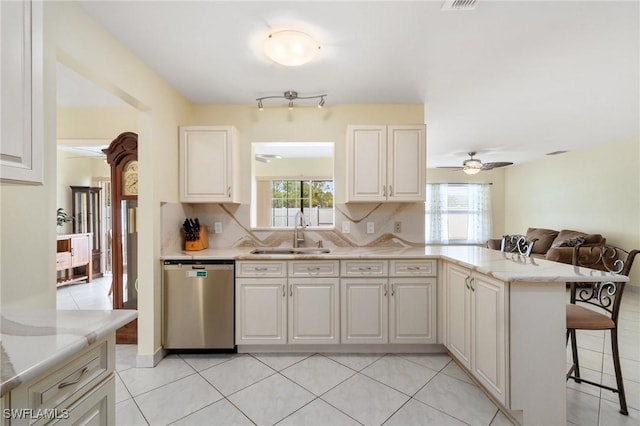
[595,306]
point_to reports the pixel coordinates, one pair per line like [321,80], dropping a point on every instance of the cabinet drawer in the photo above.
[261,269]
[361,268]
[412,268]
[320,268]
[63,260]
[63,386]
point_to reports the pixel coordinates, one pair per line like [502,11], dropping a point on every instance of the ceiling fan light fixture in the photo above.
[471,170]
[290,48]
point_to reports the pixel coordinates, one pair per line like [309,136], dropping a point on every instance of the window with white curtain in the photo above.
[457,213]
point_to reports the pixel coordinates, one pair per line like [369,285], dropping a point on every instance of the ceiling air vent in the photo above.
[459,5]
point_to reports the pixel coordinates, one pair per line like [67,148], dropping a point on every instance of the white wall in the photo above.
[594,190]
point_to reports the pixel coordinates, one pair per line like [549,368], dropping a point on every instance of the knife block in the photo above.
[200,244]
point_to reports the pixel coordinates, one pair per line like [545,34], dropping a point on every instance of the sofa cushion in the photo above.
[567,234]
[569,242]
[544,238]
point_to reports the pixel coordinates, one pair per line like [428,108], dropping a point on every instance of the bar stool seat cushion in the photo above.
[581,318]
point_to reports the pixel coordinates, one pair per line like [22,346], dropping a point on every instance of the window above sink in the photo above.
[288,177]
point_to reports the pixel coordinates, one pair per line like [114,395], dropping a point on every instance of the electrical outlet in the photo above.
[217,226]
[346,227]
[397,227]
[370,228]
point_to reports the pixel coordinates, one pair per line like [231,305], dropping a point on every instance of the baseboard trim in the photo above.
[150,361]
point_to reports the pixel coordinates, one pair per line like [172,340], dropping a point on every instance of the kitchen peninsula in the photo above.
[501,316]
[59,365]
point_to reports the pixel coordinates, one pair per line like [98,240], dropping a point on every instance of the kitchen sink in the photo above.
[301,250]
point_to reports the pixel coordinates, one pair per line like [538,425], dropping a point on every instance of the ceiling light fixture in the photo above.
[471,166]
[266,158]
[290,47]
[291,95]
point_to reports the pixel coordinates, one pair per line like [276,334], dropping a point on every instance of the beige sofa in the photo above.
[555,245]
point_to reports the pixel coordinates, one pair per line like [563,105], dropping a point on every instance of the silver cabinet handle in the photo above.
[393,290]
[261,269]
[290,290]
[283,291]
[73,382]
[466,283]
[229,192]
[384,190]
[471,282]
[390,191]
[315,269]
[413,268]
[364,268]
[385,290]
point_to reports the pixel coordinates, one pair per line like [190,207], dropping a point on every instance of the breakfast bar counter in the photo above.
[500,315]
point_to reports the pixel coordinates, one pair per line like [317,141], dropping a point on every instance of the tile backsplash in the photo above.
[236,231]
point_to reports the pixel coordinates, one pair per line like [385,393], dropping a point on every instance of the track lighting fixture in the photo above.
[291,95]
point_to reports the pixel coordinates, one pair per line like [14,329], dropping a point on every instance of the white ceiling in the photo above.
[511,80]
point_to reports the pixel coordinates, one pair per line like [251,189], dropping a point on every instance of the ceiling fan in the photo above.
[471,166]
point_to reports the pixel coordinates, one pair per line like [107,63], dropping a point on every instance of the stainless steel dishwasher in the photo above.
[198,304]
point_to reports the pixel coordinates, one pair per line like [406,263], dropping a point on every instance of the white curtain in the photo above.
[480,222]
[447,204]
[436,207]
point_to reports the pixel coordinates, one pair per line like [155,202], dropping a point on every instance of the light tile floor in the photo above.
[345,389]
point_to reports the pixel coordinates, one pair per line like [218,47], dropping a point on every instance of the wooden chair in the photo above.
[516,244]
[595,306]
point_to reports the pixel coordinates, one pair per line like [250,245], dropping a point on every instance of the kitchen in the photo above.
[162,110]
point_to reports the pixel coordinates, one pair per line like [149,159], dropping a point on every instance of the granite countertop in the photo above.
[503,266]
[34,341]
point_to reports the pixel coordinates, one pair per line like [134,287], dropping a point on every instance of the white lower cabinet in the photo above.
[364,310]
[476,328]
[79,391]
[303,308]
[412,308]
[261,314]
[314,310]
[398,309]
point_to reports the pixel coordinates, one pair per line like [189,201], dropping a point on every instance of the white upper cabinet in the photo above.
[209,170]
[386,163]
[21,99]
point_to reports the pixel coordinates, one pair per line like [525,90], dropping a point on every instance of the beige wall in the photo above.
[495,177]
[302,124]
[595,190]
[95,122]
[295,167]
[76,40]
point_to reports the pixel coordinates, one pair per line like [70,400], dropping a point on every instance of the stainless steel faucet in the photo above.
[298,236]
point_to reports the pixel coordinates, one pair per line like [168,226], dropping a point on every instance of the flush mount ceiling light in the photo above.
[266,158]
[290,47]
[291,95]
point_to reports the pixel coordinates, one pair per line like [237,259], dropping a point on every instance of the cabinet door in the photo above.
[261,311]
[406,172]
[207,155]
[412,310]
[458,316]
[489,334]
[313,310]
[80,250]
[366,163]
[364,310]
[21,91]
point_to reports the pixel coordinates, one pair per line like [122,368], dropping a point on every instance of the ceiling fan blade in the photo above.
[489,166]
